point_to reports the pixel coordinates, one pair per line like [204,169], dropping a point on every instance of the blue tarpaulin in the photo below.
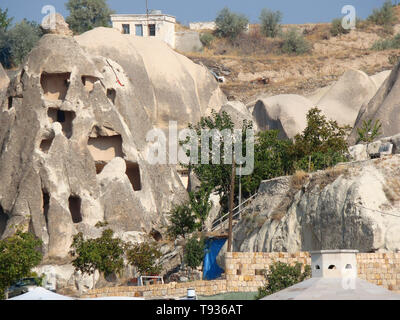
[211,269]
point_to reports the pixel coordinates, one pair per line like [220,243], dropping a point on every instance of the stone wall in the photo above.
[244,273]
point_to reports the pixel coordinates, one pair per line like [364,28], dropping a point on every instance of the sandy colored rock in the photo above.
[238,113]
[383,106]
[55,24]
[286,113]
[353,206]
[168,85]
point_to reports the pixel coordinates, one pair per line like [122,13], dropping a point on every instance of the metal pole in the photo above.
[232,193]
[240,190]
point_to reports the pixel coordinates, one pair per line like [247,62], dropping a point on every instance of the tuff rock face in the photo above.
[55,24]
[352,206]
[4,81]
[384,106]
[74,149]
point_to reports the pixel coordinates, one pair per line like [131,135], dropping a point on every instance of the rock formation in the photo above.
[4,81]
[384,106]
[55,24]
[168,85]
[73,127]
[286,113]
[340,101]
[351,206]
[238,113]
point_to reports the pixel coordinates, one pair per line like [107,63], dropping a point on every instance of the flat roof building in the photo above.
[155,24]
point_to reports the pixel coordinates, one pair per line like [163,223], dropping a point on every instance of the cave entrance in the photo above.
[55,85]
[74,204]
[46,144]
[111,94]
[65,118]
[133,173]
[3,221]
[46,203]
[88,82]
[104,149]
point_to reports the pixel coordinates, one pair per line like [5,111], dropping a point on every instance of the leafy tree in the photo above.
[5,54]
[206,39]
[104,254]
[194,252]
[229,24]
[144,257]
[337,28]
[282,275]
[273,157]
[200,203]
[385,16]
[183,221]
[86,15]
[20,40]
[369,132]
[295,43]
[18,255]
[270,22]
[5,21]
[321,138]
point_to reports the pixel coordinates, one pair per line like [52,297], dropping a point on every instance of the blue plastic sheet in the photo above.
[211,270]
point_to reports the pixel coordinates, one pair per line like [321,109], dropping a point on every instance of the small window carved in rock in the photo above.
[133,173]
[46,202]
[75,203]
[55,85]
[46,144]
[332,267]
[111,94]
[65,118]
[3,221]
[88,82]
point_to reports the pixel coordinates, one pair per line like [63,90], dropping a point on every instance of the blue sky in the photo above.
[294,11]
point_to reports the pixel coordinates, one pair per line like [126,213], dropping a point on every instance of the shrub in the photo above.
[144,257]
[282,275]
[207,39]
[229,24]
[369,132]
[183,221]
[254,43]
[18,255]
[270,22]
[194,252]
[385,44]
[104,254]
[383,16]
[294,43]
[337,28]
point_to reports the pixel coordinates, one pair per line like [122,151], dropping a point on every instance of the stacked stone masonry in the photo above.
[244,273]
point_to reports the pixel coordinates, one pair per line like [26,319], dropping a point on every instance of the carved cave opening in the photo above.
[65,118]
[133,173]
[55,85]
[3,220]
[75,203]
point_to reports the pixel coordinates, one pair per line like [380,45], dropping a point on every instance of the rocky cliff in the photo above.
[351,206]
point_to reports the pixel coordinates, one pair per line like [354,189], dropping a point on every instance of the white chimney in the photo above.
[334,264]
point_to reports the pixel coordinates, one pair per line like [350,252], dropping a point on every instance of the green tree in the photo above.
[207,39]
[323,140]
[282,275]
[194,252]
[144,257]
[295,43]
[18,255]
[86,15]
[183,221]
[385,16]
[200,203]
[5,21]
[273,157]
[270,22]
[21,39]
[229,24]
[369,132]
[104,254]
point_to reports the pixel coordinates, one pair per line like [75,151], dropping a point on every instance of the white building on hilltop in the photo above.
[155,24]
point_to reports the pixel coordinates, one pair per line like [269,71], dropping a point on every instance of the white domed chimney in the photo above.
[334,264]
